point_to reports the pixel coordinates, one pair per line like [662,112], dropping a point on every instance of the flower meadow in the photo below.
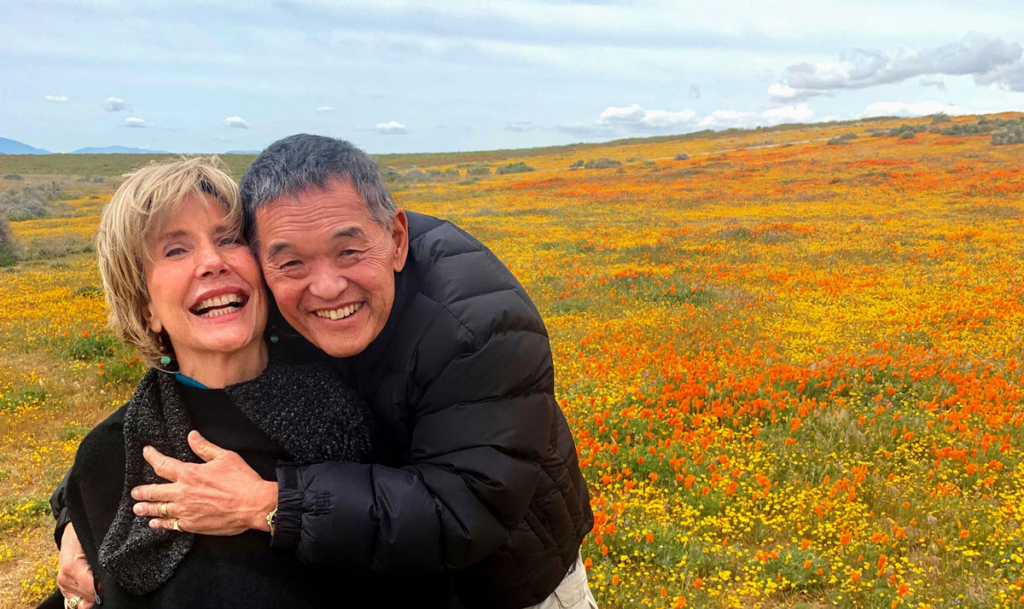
[793,368]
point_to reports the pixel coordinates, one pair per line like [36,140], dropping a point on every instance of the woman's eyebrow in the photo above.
[174,234]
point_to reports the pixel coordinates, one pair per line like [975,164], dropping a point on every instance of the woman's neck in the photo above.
[218,370]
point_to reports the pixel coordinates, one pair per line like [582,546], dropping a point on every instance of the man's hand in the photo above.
[223,496]
[74,576]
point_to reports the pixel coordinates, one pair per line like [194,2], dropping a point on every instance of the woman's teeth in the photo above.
[341,313]
[218,305]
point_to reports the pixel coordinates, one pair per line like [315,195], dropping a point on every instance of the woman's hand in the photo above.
[223,496]
[74,575]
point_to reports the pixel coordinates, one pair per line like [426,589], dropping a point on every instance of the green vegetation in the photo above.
[519,167]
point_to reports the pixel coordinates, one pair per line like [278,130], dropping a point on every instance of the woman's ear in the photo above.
[152,319]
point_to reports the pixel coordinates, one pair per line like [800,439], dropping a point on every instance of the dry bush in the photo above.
[1008,135]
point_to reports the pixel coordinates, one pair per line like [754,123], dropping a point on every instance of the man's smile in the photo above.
[339,313]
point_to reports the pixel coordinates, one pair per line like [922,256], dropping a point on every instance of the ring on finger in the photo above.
[175,526]
[73,602]
[163,510]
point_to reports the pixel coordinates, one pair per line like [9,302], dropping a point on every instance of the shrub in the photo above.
[577,164]
[451,172]
[602,163]
[1008,135]
[519,167]
[8,248]
[29,203]
[13,176]
[940,118]
[682,156]
[834,141]
[478,171]
[908,135]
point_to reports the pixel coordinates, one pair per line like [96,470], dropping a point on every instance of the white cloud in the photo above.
[988,59]
[59,99]
[325,109]
[235,122]
[135,123]
[743,118]
[115,104]
[895,108]
[636,119]
[391,128]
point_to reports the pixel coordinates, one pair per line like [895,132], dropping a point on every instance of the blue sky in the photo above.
[401,76]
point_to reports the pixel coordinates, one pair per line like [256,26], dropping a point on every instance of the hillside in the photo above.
[791,358]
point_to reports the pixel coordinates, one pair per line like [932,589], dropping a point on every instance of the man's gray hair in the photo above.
[300,162]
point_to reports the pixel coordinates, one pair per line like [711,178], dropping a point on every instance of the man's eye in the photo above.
[290,264]
[347,253]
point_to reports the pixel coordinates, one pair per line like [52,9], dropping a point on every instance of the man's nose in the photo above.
[327,284]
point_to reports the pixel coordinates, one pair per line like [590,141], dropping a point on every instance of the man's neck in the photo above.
[218,370]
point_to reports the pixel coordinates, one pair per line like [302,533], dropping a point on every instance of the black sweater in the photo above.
[235,571]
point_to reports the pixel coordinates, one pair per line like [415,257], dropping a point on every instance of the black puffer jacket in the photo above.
[477,477]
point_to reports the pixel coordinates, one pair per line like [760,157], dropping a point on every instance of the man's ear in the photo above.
[400,239]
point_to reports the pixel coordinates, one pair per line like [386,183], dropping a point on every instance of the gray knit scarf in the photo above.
[305,408]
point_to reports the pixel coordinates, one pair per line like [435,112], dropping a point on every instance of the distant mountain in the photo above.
[116,150]
[242,152]
[15,147]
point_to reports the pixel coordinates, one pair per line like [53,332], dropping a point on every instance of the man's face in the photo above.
[330,266]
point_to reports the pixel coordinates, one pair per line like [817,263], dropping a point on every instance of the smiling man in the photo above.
[475,491]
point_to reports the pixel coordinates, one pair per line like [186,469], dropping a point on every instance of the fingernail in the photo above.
[147,450]
[135,493]
[137,509]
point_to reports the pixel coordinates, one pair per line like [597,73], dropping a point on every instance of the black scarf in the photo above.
[305,408]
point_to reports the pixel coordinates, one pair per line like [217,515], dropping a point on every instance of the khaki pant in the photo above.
[572,593]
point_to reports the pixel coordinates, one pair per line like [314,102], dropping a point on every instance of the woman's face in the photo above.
[205,288]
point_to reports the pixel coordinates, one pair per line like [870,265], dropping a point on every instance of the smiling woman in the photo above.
[184,288]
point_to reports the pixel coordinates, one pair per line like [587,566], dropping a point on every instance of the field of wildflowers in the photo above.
[794,368]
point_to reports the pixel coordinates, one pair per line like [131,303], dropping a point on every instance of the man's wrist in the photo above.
[266,503]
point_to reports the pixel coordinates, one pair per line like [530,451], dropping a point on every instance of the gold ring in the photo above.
[175,526]
[73,602]
[163,510]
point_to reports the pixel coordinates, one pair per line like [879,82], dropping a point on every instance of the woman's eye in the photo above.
[229,240]
[174,252]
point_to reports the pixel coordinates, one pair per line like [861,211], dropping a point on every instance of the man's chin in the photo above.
[339,348]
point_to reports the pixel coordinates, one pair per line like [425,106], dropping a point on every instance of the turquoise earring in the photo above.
[165,359]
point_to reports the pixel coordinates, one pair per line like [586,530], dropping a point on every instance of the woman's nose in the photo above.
[211,262]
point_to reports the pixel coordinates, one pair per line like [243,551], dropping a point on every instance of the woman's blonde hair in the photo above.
[143,203]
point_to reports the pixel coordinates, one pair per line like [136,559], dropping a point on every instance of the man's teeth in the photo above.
[341,313]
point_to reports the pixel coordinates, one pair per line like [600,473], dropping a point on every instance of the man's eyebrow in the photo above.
[352,231]
[277,247]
